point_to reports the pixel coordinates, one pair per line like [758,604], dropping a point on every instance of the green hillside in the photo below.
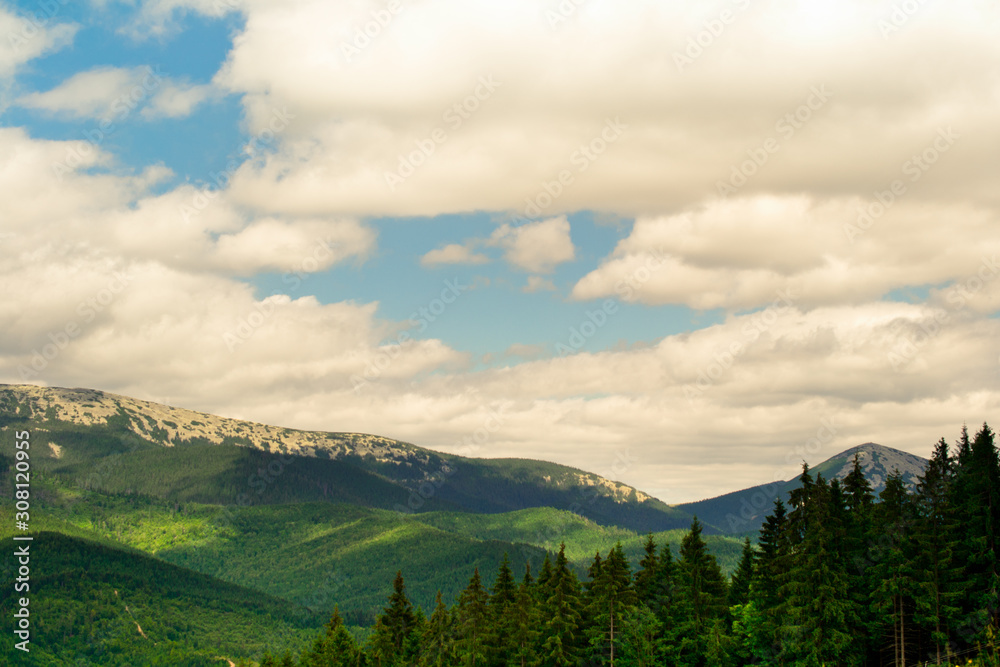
[109,606]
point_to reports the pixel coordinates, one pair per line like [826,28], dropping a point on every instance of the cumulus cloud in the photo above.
[804,116]
[28,36]
[741,252]
[561,88]
[453,253]
[537,247]
[177,100]
[112,93]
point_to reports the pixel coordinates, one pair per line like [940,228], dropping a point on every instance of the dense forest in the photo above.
[838,577]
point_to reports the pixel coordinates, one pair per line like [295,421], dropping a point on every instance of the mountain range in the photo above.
[306,520]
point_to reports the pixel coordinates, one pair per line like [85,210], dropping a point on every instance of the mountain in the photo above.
[98,605]
[743,512]
[230,461]
[318,519]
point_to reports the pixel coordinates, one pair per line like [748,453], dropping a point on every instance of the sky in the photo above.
[685,245]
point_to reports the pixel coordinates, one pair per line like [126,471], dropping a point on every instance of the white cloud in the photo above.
[537,247]
[28,36]
[561,87]
[177,100]
[453,253]
[113,93]
[739,253]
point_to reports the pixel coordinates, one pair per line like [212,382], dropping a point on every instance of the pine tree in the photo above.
[647,577]
[524,635]
[438,641]
[982,520]
[501,617]
[892,597]
[739,585]
[335,648]
[859,501]
[641,639]
[561,612]
[763,621]
[818,608]
[938,590]
[611,599]
[472,618]
[701,597]
[394,627]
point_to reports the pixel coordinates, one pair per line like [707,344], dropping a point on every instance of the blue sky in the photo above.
[652,308]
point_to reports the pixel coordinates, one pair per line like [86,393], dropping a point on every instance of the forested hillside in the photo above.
[841,577]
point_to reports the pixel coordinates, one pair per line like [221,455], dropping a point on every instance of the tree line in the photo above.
[838,577]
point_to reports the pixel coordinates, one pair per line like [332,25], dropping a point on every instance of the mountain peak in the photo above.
[877,461]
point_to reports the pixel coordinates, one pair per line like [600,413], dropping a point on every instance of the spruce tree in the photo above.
[763,622]
[438,642]
[701,597]
[394,627]
[472,619]
[739,585]
[501,618]
[892,597]
[938,590]
[818,608]
[524,634]
[611,599]
[561,614]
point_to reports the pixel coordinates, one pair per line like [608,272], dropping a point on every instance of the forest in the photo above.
[838,576]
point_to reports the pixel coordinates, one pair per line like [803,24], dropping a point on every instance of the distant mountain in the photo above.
[187,455]
[316,519]
[743,512]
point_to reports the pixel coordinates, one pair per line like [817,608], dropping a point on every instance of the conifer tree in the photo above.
[501,617]
[335,648]
[438,642]
[739,586]
[561,612]
[392,638]
[938,590]
[892,597]
[525,635]
[763,622]
[472,623]
[818,605]
[647,577]
[612,598]
[701,597]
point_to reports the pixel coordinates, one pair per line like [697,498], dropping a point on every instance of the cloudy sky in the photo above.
[683,244]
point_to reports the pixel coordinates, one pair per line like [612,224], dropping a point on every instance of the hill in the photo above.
[86,435]
[743,512]
[110,606]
